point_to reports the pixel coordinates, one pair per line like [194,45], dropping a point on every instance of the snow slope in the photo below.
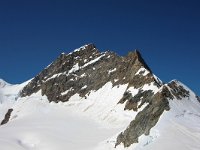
[92,123]
[178,128]
[37,124]
[8,95]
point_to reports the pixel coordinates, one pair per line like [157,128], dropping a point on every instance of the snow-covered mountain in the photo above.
[95,100]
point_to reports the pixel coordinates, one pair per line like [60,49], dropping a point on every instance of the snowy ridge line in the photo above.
[79,49]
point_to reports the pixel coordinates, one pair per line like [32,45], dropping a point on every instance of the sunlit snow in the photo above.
[92,123]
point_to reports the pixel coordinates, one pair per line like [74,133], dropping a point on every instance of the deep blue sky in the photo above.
[167,32]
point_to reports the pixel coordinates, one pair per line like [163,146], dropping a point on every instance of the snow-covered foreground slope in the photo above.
[92,123]
[8,95]
[177,129]
[37,124]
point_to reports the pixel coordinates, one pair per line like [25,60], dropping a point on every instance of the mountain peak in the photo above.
[86,66]
[87,47]
[3,83]
[82,52]
[111,88]
[137,52]
[136,55]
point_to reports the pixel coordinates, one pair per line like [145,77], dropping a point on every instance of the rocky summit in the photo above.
[134,109]
[87,69]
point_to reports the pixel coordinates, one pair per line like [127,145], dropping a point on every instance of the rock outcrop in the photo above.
[7,116]
[149,116]
[86,69]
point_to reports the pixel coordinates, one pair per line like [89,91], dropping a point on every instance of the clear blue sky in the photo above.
[167,32]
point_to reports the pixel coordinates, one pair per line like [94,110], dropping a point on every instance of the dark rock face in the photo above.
[149,116]
[87,69]
[132,101]
[177,90]
[146,119]
[7,117]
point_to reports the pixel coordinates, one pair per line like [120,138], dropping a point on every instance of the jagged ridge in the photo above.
[86,69]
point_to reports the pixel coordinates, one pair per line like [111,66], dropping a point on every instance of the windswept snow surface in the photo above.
[37,124]
[92,123]
[177,129]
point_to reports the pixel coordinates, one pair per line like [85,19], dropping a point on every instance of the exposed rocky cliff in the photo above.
[149,116]
[86,69]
